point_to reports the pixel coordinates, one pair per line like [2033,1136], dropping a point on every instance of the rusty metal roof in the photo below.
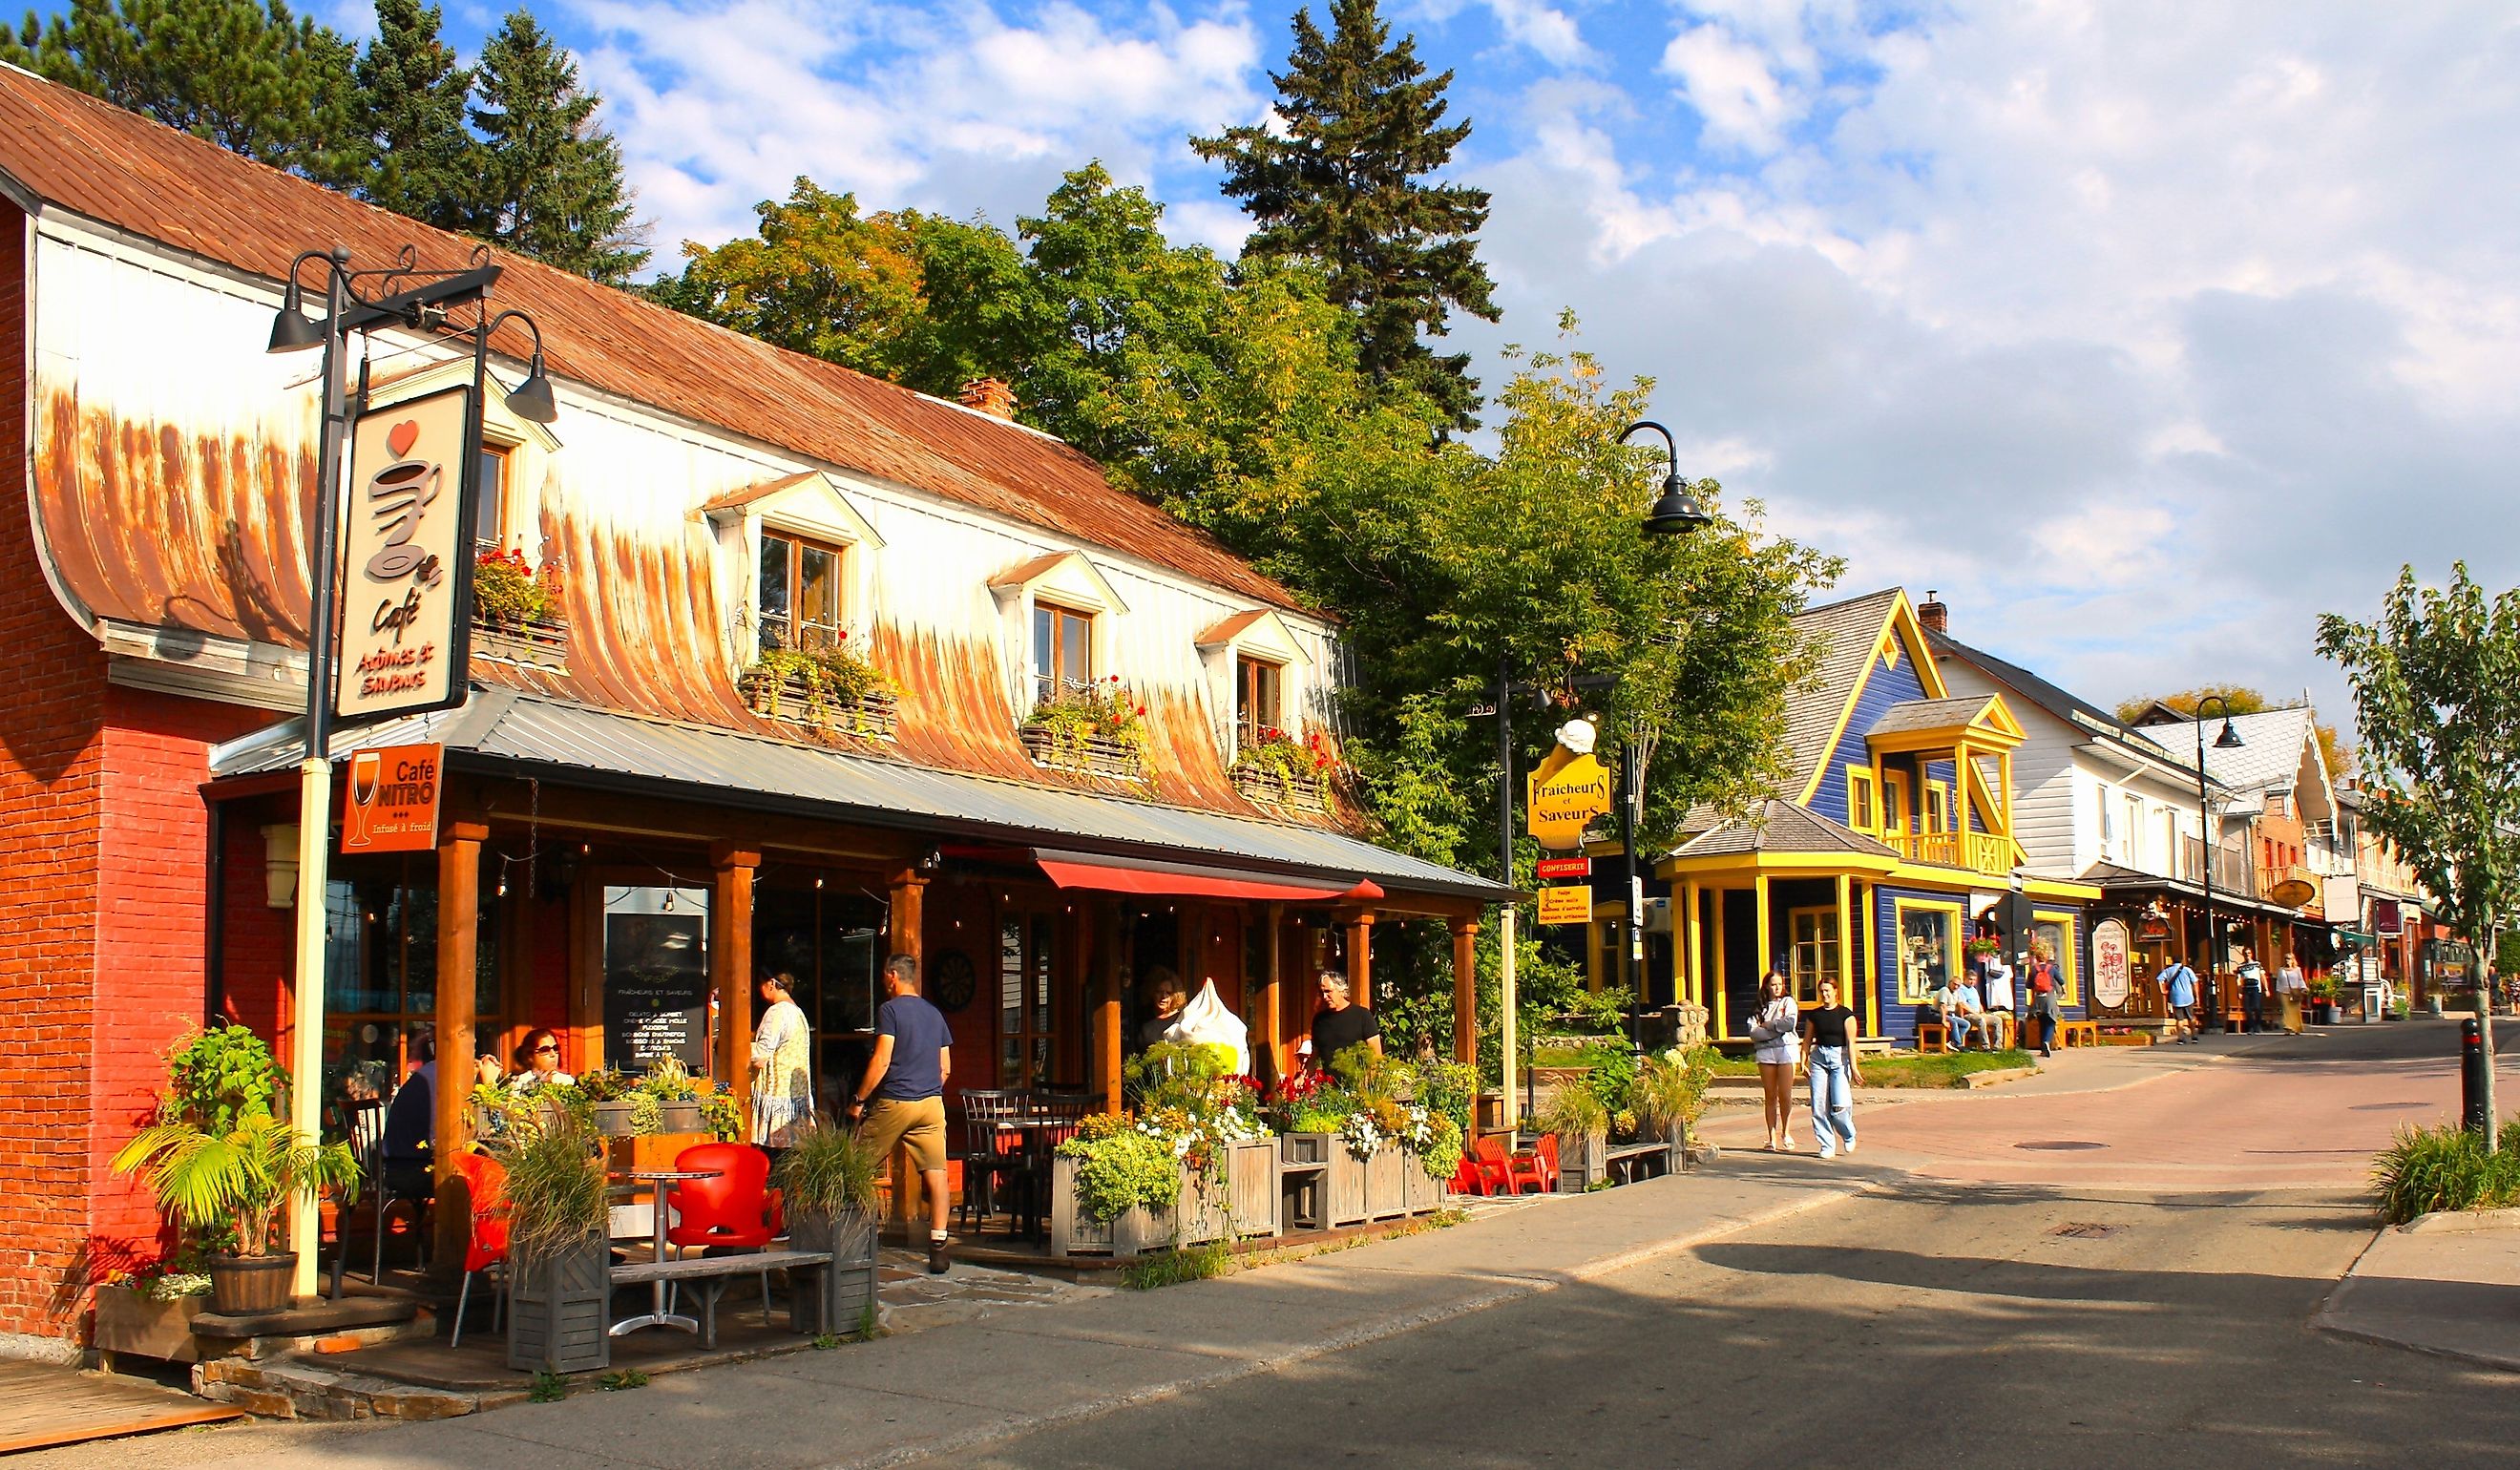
[531,734]
[76,154]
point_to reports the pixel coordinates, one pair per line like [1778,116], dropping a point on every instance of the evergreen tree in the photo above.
[250,77]
[547,179]
[1344,184]
[411,102]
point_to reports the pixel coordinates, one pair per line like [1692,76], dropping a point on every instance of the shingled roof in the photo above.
[1851,629]
[1781,826]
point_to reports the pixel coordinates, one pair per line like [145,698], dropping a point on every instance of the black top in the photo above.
[1335,1031]
[1827,1025]
[919,1033]
[411,1119]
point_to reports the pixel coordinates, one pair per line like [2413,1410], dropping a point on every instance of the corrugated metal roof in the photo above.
[530,733]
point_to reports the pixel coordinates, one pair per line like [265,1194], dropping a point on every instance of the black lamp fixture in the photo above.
[532,399]
[1676,512]
[2229,739]
[292,329]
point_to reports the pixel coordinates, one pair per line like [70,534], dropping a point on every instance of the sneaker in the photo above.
[938,1253]
[1850,1146]
[1827,1153]
[1789,1142]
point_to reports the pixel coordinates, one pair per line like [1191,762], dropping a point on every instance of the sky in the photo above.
[2142,331]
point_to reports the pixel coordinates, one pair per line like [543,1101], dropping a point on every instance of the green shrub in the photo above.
[1119,1168]
[2429,1169]
[1614,1075]
[1191,1263]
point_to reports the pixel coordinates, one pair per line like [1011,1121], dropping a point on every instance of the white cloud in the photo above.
[1731,87]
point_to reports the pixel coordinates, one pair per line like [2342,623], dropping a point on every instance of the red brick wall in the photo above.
[258,943]
[52,713]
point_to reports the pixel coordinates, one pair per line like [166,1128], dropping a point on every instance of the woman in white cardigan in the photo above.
[783,1087]
[1776,1028]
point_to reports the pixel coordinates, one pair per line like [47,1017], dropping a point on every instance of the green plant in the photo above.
[828,1172]
[2323,987]
[1307,761]
[824,1342]
[1574,1112]
[217,1079]
[646,1114]
[1079,714]
[605,1084]
[509,592]
[669,1081]
[626,1378]
[1613,1075]
[2446,1168]
[1121,1167]
[722,1115]
[549,1388]
[555,1187]
[870,1325]
[1670,1092]
[238,1180]
[1190,1263]
[833,680]
[1449,1088]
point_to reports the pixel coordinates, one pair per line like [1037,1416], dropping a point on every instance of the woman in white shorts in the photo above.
[1777,1031]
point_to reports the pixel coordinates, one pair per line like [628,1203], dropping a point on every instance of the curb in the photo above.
[2324,1320]
[2459,1221]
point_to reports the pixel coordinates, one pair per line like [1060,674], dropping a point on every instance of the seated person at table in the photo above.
[1956,1003]
[1170,996]
[541,1053]
[1999,1000]
[411,1125]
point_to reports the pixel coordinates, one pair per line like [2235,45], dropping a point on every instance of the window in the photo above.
[1814,955]
[490,513]
[2056,932]
[1257,686]
[2108,823]
[2170,842]
[1859,799]
[1894,804]
[2133,830]
[381,972]
[1938,807]
[1062,650]
[800,592]
[1928,947]
[1027,1046]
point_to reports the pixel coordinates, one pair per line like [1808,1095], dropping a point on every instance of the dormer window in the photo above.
[1259,685]
[1062,650]
[800,592]
[490,513]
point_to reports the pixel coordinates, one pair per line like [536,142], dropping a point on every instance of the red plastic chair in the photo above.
[735,1210]
[1468,1179]
[1493,1166]
[485,1184]
[1536,1166]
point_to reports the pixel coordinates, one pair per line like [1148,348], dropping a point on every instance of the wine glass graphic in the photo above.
[367,772]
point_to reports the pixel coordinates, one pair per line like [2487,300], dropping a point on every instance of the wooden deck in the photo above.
[46,1403]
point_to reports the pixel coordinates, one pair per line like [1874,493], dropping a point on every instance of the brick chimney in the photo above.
[990,396]
[1931,613]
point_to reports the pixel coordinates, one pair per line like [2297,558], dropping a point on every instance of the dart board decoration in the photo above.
[953,984]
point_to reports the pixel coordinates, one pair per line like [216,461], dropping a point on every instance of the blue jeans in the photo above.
[1832,1100]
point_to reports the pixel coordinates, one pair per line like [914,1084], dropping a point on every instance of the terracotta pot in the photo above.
[242,1285]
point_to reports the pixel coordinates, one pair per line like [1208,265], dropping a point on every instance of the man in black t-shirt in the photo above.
[1340,1024]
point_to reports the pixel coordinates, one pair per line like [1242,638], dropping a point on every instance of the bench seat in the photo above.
[710,1277]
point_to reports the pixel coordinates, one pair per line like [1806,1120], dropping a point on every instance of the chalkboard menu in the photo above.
[655,977]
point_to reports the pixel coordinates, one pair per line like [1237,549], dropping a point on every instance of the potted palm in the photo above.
[559,1259]
[828,1186]
[237,1181]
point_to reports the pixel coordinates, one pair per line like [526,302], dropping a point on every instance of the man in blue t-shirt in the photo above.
[901,1099]
[2179,988]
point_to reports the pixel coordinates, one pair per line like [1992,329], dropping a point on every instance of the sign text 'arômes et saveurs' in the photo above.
[389,803]
[404,531]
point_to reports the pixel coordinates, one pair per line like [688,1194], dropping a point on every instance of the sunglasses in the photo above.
[546,1051]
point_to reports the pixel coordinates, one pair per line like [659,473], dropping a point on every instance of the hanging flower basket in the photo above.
[1098,729]
[517,616]
[1277,788]
[1275,769]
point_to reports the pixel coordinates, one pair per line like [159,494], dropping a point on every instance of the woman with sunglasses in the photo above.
[541,1056]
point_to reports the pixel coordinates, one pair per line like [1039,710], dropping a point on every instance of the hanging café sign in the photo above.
[405,579]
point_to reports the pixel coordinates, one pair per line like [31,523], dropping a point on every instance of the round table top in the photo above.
[669,1176]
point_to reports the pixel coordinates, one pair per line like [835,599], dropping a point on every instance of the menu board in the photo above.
[655,977]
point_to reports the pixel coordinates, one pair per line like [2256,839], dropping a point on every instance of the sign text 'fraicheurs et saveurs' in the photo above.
[389,803]
[402,577]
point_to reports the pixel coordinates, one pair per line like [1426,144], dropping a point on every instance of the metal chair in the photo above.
[368,1146]
[985,1112]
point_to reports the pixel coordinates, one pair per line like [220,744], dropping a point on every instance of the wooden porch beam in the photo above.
[459,926]
[729,953]
[1465,991]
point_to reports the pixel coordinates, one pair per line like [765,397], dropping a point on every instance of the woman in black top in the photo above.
[1835,1070]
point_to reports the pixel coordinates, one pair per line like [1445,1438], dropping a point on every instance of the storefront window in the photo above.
[2056,932]
[1027,1055]
[831,945]
[1928,941]
[655,977]
[380,972]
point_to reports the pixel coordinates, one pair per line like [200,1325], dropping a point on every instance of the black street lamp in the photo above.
[2229,739]
[1676,512]
[348,309]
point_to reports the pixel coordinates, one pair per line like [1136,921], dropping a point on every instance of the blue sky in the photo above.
[2142,330]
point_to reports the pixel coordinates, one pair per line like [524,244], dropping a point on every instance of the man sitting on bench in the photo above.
[1961,1014]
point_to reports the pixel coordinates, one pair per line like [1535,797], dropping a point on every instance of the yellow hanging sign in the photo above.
[1564,795]
[1570,905]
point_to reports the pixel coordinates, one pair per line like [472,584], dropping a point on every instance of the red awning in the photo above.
[1189,881]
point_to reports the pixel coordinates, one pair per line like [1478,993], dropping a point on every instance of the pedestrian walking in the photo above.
[1778,1033]
[1835,1073]
[905,1084]
[2292,988]
[782,1084]
[2179,991]
[2253,992]
[2047,997]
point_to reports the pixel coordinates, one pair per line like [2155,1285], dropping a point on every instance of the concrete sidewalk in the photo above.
[952,1388]
[2446,1284]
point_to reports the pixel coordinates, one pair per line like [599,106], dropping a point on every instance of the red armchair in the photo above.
[485,1184]
[735,1209]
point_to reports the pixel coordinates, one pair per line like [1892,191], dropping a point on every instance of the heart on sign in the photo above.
[399,437]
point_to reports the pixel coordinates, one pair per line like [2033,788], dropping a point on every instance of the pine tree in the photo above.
[247,77]
[411,102]
[1342,184]
[550,182]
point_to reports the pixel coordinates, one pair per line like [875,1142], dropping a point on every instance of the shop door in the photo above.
[1028,1052]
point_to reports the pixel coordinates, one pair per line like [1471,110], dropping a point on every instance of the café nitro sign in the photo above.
[389,804]
[404,572]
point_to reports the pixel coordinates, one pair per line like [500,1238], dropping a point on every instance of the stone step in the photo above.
[295,1388]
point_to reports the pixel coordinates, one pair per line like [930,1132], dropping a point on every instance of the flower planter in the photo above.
[129,1321]
[875,715]
[848,1284]
[1271,786]
[682,1118]
[1095,755]
[612,1120]
[1244,1202]
[529,643]
[242,1285]
[559,1309]
[1420,1194]
[1582,1162]
[1385,1184]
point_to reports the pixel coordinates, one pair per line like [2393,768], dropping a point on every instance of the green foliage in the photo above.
[1120,1168]
[507,592]
[1670,1092]
[245,75]
[824,1342]
[828,1172]
[1102,711]
[1181,1074]
[2430,1169]
[549,1388]
[1297,762]
[1613,1075]
[1336,176]
[220,1079]
[555,1187]
[721,1113]
[237,1179]
[1190,1263]
[626,1378]
[547,179]
[411,97]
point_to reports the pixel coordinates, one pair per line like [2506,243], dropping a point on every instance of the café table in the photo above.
[657,1180]
[1037,1133]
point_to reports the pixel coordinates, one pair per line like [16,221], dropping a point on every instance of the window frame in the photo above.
[1048,686]
[1894,782]
[2069,977]
[1250,671]
[494,497]
[798,544]
[1953,954]
[1827,941]
[1864,815]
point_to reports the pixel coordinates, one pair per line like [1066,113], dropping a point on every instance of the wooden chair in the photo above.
[985,1144]
[1932,1036]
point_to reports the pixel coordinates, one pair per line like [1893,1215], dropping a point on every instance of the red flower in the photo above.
[1142,710]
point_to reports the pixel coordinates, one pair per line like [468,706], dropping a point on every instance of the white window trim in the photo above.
[814,506]
[1256,633]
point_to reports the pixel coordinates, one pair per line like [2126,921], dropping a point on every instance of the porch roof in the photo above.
[1782,826]
[2112,878]
[504,732]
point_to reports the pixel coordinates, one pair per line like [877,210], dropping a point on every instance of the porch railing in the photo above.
[1979,852]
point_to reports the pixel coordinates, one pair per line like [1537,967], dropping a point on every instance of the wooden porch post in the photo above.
[1360,958]
[1764,953]
[1846,946]
[1273,991]
[906,919]
[1692,966]
[459,926]
[1466,992]
[731,965]
[1107,1002]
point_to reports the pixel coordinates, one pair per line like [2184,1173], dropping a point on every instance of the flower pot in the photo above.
[1385,1177]
[848,1284]
[685,1117]
[242,1285]
[560,1309]
[1421,1193]
[612,1119]
[1134,1231]
[1582,1162]
[129,1321]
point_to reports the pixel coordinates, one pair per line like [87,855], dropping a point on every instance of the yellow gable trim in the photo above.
[1899,630]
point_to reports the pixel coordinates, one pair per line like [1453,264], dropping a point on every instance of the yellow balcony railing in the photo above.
[1979,852]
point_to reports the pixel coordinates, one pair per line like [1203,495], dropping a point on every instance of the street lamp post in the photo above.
[2207,827]
[345,310]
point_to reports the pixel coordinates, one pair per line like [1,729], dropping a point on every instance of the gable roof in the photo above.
[1782,826]
[1853,630]
[2064,704]
[1957,713]
[2274,743]
[71,152]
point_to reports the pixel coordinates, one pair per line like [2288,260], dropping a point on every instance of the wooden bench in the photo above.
[1626,1163]
[2077,1033]
[711,1275]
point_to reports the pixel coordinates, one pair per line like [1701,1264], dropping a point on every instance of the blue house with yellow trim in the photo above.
[1890,847]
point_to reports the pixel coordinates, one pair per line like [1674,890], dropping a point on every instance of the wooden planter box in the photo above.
[874,716]
[1418,1195]
[535,643]
[1581,1163]
[1245,1203]
[559,1309]
[129,1321]
[1099,755]
[1387,1186]
[1272,788]
[849,1286]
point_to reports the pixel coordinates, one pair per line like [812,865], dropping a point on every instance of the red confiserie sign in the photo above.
[389,802]
[1564,868]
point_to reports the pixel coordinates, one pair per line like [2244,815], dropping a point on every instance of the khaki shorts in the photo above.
[917,1126]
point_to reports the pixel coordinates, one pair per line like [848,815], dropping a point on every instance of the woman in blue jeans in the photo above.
[1835,1073]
